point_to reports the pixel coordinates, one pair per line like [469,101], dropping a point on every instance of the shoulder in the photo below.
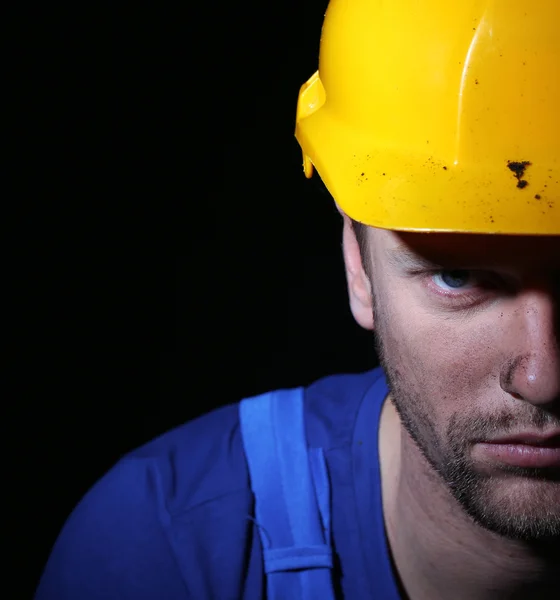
[181,506]
[204,460]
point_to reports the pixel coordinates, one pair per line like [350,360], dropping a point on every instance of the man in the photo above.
[436,128]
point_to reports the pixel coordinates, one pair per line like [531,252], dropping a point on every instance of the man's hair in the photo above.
[361,231]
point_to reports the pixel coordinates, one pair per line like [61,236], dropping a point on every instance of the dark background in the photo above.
[171,257]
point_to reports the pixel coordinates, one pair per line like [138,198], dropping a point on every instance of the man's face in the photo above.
[468,332]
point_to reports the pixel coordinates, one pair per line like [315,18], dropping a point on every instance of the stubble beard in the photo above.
[511,514]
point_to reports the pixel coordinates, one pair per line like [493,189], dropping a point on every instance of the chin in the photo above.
[522,506]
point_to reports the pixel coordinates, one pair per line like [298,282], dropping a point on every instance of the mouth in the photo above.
[529,450]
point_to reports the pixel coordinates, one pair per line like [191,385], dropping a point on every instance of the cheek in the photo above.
[447,363]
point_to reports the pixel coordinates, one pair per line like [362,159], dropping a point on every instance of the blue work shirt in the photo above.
[174,520]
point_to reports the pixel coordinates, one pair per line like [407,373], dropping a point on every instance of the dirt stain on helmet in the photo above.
[518,169]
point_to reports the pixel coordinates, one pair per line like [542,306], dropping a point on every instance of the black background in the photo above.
[171,255]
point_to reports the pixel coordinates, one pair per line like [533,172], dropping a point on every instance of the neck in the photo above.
[437,549]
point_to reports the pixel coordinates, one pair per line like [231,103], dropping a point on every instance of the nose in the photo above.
[533,374]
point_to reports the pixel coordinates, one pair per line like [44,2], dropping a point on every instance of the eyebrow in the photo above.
[402,257]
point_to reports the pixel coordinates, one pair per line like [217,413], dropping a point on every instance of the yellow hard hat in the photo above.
[431,115]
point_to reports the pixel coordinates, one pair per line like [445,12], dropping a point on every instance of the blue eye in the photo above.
[456,279]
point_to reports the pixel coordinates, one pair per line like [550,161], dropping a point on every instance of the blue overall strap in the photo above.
[292,497]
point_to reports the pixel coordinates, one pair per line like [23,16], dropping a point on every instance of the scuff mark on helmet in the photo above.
[518,169]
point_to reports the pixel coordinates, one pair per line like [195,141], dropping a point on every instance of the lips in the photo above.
[529,450]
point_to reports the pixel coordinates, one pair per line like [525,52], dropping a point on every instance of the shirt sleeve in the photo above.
[113,545]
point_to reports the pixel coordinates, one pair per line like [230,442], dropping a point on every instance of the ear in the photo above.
[359,285]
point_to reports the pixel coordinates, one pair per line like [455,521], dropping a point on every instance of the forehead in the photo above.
[540,253]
